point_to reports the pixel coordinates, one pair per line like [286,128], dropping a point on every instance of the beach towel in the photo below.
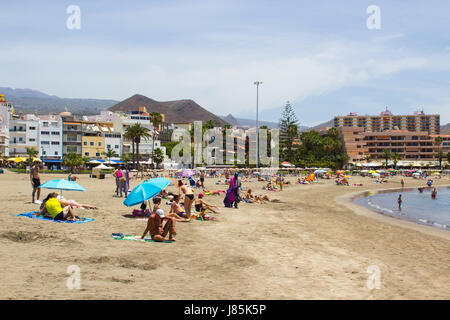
[36,215]
[118,236]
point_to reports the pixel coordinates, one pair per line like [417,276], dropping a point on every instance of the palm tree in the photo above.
[110,153]
[440,155]
[395,158]
[139,133]
[129,135]
[156,120]
[32,153]
[438,141]
[158,157]
[387,155]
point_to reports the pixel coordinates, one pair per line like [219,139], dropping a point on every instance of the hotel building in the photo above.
[418,122]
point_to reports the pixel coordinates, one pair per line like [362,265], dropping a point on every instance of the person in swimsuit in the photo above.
[399,201]
[201,205]
[73,204]
[202,179]
[176,211]
[155,226]
[35,180]
[56,211]
[433,193]
[188,197]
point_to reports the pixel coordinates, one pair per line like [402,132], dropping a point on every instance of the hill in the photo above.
[177,111]
[445,129]
[33,101]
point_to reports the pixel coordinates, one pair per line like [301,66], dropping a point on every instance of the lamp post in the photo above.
[257,83]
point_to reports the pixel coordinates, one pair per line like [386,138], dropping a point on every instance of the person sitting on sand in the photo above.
[155,226]
[269,186]
[56,211]
[176,211]
[201,205]
[72,177]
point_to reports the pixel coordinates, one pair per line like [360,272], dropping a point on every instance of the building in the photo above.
[6,104]
[98,137]
[4,131]
[410,146]
[51,139]
[72,134]
[23,133]
[418,122]
[122,121]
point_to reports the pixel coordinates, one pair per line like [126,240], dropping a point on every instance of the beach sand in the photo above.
[311,245]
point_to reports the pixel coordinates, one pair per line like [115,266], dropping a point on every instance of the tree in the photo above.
[32,153]
[110,153]
[125,158]
[136,133]
[288,126]
[85,160]
[440,155]
[387,155]
[129,135]
[156,119]
[438,141]
[73,160]
[158,157]
[395,158]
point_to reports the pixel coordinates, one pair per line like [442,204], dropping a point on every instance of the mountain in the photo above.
[445,129]
[247,123]
[33,101]
[177,111]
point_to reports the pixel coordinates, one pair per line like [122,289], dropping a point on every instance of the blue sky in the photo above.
[319,55]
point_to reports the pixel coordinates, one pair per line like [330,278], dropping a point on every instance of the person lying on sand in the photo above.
[213,192]
[55,209]
[176,211]
[155,226]
[201,205]
[64,202]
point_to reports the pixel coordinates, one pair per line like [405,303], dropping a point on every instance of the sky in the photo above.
[321,56]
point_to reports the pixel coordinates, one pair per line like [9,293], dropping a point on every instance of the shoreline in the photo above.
[348,201]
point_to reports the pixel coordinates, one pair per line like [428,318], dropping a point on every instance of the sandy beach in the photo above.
[313,244]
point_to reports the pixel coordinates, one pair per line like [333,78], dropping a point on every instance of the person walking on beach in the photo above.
[399,200]
[117,181]
[35,180]
[188,197]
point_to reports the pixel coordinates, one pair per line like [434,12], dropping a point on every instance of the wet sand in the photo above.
[314,244]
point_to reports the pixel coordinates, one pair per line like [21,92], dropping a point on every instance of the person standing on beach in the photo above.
[403,183]
[433,193]
[117,181]
[202,179]
[399,200]
[35,180]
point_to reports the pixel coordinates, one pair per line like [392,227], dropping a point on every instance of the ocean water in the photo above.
[417,207]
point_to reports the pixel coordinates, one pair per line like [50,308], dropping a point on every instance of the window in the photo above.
[99,144]
[56,153]
[108,146]
[85,143]
[32,128]
[92,144]
[55,133]
[32,140]
[45,142]
[97,154]
[45,124]
[116,146]
[86,154]
[45,132]
[55,143]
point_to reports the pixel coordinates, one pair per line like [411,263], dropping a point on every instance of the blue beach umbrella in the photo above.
[62,184]
[146,190]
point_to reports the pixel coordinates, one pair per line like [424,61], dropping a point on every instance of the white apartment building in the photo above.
[113,141]
[23,132]
[50,137]
[122,121]
[4,131]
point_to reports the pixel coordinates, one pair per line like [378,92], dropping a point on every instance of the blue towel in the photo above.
[35,215]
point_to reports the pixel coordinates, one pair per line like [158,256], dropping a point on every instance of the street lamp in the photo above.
[257,83]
